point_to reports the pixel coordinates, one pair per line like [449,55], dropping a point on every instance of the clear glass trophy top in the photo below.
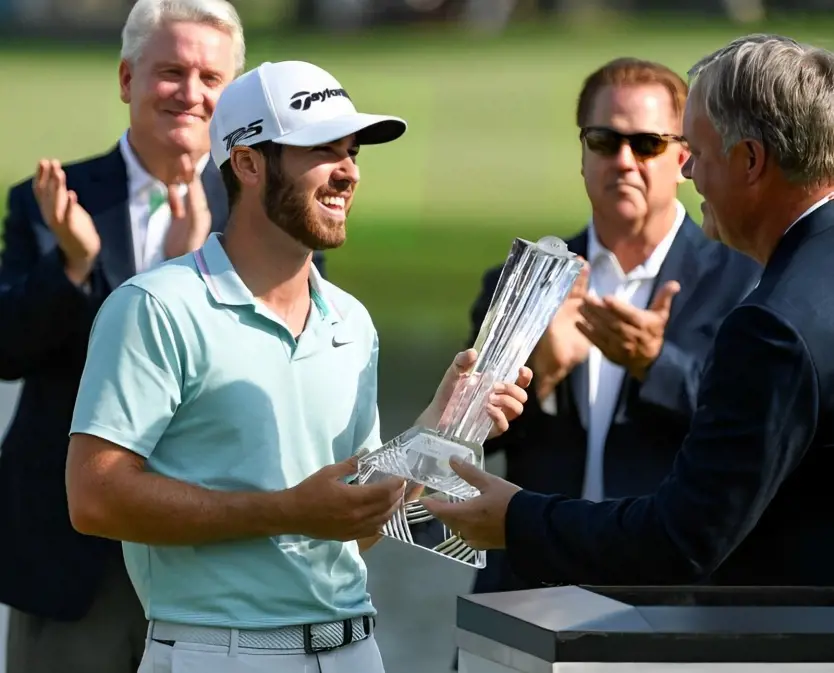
[534,282]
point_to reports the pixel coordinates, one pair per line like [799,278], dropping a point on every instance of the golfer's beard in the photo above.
[287,208]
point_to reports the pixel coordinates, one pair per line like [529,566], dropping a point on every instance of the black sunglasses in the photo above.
[607,142]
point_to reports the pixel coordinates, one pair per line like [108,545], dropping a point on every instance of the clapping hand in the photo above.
[190,216]
[69,222]
[626,335]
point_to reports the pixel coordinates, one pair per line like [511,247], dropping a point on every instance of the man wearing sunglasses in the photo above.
[616,374]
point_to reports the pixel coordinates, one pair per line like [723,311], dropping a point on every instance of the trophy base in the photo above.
[421,456]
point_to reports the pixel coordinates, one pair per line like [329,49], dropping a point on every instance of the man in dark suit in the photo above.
[613,404]
[72,234]
[744,502]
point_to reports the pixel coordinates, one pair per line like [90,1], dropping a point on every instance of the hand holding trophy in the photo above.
[534,282]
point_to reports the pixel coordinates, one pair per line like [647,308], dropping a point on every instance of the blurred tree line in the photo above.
[85,19]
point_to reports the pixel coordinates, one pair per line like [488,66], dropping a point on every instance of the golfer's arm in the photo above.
[112,495]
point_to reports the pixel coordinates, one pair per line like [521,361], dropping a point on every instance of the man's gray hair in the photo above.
[777,91]
[147,15]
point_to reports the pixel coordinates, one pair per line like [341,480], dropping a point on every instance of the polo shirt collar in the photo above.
[226,287]
[321,297]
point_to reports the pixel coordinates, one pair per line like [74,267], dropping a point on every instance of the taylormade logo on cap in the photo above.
[292,103]
[304,99]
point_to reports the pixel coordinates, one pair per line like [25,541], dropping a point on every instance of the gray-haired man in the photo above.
[72,235]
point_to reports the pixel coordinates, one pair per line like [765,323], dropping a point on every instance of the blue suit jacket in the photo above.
[46,568]
[745,500]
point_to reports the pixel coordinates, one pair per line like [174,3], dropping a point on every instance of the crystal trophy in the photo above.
[534,282]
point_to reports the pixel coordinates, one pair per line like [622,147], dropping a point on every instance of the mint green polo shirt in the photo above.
[188,370]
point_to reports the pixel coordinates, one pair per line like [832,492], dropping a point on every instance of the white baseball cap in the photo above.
[292,103]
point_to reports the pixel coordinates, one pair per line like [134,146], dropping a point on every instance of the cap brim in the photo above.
[369,130]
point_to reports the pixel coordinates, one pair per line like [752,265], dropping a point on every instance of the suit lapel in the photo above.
[107,203]
[681,261]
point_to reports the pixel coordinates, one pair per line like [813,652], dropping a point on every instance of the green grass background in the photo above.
[491,154]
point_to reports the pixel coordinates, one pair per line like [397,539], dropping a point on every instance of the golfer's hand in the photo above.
[480,521]
[323,506]
[190,216]
[69,222]
[504,405]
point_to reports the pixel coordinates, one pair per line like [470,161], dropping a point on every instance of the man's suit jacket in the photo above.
[745,502]
[546,453]
[46,568]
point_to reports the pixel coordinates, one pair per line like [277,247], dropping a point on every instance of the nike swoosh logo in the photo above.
[337,343]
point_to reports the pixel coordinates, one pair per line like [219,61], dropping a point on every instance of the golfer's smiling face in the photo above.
[328,174]
[173,87]
[324,179]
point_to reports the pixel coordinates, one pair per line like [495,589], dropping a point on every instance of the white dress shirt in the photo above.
[819,204]
[150,214]
[597,382]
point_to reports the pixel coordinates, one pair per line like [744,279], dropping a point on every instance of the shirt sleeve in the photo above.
[132,380]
